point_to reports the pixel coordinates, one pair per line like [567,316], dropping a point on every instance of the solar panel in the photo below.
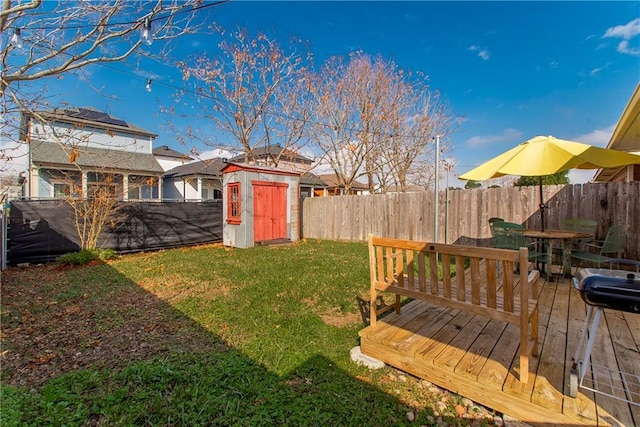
[95,116]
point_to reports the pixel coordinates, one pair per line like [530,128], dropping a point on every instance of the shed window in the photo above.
[234,204]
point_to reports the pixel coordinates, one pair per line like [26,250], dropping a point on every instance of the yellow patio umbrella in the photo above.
[546,155]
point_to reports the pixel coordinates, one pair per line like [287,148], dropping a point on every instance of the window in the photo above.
[103,185]
[134,193]
[61,190]
[205,194]
[234,204]
[142,187]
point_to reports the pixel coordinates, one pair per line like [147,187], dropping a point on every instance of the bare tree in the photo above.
[374,120]
[407,154]
[47,40]
[354,101]
[254,90]
[92,213]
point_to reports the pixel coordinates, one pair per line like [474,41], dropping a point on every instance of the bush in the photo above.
[106,254]
[86,256]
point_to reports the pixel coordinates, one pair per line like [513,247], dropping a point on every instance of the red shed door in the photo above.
[269,211]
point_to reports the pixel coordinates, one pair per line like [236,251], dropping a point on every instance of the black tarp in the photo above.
[40,231]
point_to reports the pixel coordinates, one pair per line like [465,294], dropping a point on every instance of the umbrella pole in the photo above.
[542,206]
[547,265]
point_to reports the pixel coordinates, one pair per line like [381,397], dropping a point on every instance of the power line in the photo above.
[138,21]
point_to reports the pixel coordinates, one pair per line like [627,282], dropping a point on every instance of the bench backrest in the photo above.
[413,266]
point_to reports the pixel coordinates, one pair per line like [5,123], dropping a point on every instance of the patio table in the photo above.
[565,236]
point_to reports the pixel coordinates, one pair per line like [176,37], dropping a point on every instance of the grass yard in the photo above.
[204,336]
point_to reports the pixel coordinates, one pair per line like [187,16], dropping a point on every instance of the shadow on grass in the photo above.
[88,346]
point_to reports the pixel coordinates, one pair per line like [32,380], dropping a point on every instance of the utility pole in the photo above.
[436,208]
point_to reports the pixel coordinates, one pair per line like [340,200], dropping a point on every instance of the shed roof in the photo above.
[49,154]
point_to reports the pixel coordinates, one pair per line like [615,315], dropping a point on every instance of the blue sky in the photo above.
[512,70]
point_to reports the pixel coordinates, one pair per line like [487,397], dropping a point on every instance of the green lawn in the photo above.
[201,336]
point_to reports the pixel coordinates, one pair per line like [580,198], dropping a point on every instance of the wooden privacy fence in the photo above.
[464,214]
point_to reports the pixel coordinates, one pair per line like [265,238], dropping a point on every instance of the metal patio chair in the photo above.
[597,251]
[509,235]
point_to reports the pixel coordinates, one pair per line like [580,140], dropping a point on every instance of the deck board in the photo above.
[626,354]
[478,358]
[583,406]
[549,384]
[609,409]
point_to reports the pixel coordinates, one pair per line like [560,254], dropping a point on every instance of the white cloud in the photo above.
[13,157]
[626,32]
[581,176]
[595,71]
[411,18]
[508,135]
[598,137]
[218,152]
[553,64]
[482,52]
[623,47]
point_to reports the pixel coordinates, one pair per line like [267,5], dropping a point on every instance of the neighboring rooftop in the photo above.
[332,181]
[308,178]
[87,116]
[52,154]
[209,167]
[275,152]
[625,137]
[165,151]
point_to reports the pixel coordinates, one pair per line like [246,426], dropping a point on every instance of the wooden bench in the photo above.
[483,283]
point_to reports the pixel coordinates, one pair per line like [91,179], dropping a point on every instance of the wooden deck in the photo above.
[478,358]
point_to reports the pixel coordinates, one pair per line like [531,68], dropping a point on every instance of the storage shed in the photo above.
[261,205]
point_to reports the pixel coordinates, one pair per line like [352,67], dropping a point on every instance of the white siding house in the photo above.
[79,150]
[169,158]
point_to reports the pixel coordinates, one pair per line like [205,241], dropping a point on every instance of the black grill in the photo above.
[615,289]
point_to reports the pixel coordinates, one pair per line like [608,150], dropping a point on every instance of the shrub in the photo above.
[86,256]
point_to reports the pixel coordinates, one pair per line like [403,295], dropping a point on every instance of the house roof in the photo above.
[275,151]
[210,167]
[332,181]
[50,154]
[313,180]
[165,151]
[87,116]
[626,135]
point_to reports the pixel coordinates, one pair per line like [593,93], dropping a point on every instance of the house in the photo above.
[82,150]
[625,137]
[311,185]
[276,156]
[334,188]
[169,158]
[195,181]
